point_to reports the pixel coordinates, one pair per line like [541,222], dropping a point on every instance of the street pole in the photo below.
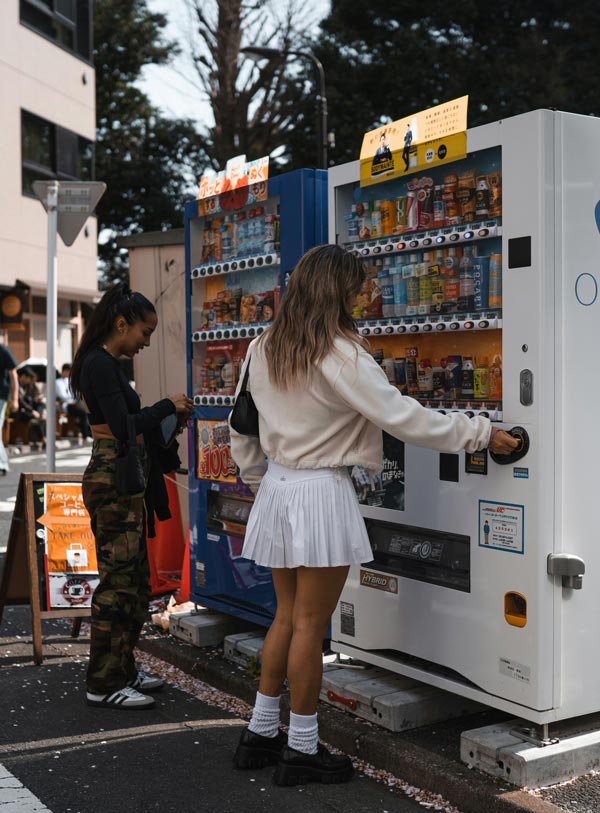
[257,53]
[321,107]
[51,320]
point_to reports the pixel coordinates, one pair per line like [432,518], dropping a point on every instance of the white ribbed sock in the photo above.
[303,734]
[265,716]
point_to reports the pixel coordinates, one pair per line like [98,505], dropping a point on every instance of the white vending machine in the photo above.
[481,295]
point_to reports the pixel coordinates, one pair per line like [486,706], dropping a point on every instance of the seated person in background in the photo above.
[31,407]
[67,402]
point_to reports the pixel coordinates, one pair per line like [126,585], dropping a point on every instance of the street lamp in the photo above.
[257,53]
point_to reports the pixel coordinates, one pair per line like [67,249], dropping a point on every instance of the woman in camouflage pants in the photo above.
[121,325]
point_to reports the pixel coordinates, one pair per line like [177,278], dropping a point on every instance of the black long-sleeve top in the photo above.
[110,398]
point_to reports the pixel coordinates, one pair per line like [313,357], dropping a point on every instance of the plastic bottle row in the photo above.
[447,281]
[452,378]
[241,234]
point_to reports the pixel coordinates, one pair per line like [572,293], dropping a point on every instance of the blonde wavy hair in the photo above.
[315,309]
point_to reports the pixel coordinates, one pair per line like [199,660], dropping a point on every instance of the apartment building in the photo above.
[47,130]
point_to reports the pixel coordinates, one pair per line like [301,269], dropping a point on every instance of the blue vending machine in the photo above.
[239,251]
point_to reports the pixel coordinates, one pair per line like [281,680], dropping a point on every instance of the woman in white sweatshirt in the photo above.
[323,402]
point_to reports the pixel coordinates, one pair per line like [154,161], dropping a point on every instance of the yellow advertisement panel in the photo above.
[434,136]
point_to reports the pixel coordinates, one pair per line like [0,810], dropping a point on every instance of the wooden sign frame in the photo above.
[20,582]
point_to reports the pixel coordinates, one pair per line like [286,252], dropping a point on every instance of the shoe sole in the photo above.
[288,775]
[120,706]
[252,758]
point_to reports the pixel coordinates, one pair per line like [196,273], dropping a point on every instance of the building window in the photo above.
[66,22]
[50,151]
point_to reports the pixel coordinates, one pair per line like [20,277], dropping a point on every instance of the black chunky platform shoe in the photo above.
[297,768]
[256,751]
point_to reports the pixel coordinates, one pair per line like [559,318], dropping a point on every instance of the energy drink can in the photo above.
[401,207]
[389,216]
[412,212]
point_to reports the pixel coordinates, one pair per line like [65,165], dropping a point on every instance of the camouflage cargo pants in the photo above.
[120,602]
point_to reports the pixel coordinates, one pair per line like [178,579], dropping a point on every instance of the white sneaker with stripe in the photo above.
[126,698]
[146,683]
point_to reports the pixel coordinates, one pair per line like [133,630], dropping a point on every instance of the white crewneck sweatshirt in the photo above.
[337,418]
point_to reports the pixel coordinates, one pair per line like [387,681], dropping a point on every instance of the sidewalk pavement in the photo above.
[426,758]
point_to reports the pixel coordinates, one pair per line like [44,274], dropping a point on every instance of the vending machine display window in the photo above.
[238,253]
[431,302]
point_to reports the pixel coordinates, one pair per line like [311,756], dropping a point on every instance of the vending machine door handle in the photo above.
[569,567]
[506,459]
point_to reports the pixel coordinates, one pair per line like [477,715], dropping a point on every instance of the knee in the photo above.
[311,624]
[283,620]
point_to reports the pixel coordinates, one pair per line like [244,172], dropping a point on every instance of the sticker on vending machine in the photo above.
[501,526]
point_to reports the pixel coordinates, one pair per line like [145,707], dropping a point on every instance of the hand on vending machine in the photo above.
[183,405]
[502,443]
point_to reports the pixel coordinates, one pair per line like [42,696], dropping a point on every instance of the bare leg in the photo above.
[277,641]
[317,592]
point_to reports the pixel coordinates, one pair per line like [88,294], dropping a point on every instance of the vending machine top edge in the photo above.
[481,296]
[239,254]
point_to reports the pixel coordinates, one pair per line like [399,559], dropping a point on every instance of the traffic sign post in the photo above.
[69,204]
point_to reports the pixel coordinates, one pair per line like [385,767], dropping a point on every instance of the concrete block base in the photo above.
[392,701]
[243,646]
[494,750]
[201,627]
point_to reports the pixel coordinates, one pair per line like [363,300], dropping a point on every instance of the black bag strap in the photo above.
[245,381]
[131,431]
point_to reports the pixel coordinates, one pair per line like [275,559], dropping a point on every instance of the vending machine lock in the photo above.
[569,567]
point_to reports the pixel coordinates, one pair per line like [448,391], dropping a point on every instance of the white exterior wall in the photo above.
[41,77]
[157,271]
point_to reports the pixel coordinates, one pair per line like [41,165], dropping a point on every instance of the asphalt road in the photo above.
[176,757]
[58,754]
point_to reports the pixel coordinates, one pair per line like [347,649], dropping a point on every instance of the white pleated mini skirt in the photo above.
[306,518]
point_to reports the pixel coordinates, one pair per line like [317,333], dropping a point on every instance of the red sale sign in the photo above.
[213,452]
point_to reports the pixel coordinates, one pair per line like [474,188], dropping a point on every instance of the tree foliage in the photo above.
[254,104]
[388,58]
[147,161]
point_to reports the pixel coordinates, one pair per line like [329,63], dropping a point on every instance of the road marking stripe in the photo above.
[15,797]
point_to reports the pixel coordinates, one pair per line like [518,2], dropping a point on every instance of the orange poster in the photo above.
[69,540]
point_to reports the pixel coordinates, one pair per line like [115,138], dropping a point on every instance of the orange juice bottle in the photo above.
[496,379]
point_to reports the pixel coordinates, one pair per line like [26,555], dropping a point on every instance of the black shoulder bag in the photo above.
[129,468]
[244,415]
